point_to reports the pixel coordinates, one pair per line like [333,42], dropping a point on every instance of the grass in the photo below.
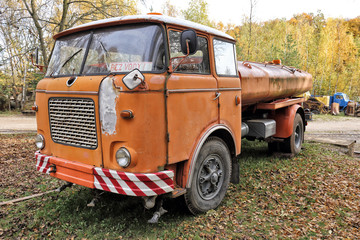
[8,113]
[313,195]
[329,117]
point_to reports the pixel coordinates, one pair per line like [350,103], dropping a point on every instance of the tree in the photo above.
[169,9]
[33,11]
[18,43]
[250,24]
[198,12]
[289,53]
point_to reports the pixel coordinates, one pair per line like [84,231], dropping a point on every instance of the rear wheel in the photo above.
[293,143]
[211,177]
[345,109]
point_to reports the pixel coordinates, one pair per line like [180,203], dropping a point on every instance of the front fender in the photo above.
[189,165]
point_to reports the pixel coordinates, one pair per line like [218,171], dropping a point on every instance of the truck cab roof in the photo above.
[144,18]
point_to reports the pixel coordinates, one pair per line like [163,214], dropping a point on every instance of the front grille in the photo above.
[72,122]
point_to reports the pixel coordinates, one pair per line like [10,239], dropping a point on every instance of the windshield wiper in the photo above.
[66,61]
[107,55]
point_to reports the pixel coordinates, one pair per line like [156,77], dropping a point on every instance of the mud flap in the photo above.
[235,175]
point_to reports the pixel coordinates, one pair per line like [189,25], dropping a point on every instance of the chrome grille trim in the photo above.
[72,121]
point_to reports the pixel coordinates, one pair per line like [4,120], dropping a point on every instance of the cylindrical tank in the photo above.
[263,82]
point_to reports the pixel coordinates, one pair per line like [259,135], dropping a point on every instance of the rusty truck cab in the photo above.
[121,109]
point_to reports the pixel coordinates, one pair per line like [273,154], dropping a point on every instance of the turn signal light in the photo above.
[237,100]
[34,108]
[127,114]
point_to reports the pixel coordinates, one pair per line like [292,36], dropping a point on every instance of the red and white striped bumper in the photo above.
[42,163]
[139,184]
[131,184]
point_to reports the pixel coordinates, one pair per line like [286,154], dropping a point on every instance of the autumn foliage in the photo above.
[329,49]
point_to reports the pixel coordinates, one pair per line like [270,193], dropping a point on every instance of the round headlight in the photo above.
[123,157]
[40,141]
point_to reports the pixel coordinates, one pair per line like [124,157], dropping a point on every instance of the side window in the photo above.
[196,63]
[339,97]
[225,62]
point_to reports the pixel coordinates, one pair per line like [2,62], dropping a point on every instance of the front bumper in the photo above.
[131,184]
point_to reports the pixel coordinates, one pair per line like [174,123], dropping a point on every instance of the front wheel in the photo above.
[293,143]
[211,177]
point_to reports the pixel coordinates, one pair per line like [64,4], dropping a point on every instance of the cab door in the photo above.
[192,105]
[229,85]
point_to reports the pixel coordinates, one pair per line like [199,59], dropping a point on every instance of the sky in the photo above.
[233,11]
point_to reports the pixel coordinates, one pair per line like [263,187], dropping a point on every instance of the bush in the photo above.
[3,102]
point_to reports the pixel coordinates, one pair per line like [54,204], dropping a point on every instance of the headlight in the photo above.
[40,141]
[123,157]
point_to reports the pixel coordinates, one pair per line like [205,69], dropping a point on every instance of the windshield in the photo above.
[115,49]
[67,55]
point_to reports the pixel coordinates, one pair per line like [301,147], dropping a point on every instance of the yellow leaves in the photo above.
[303,18]
[293,21]
[354,26]
[327,48]
[198,12]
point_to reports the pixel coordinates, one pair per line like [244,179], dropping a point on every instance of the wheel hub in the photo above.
[214,178]
[210,177]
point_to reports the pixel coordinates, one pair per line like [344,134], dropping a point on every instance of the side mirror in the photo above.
[188,41]
[37,56]
[133,79]
[36,64]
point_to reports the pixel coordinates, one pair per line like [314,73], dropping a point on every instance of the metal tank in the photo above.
[263,82]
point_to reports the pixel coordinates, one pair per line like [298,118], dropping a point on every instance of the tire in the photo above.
[211,177]
[293,143]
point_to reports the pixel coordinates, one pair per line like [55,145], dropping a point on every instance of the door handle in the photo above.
[217,95]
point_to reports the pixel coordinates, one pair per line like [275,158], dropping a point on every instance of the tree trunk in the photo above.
[252,5]
[32,11]
[64,15]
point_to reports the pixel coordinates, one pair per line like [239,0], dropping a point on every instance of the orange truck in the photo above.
[154,106]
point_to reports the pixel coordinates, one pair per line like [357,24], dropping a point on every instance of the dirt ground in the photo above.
[17,124]
[334,128]
[335,124]
[321,127]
